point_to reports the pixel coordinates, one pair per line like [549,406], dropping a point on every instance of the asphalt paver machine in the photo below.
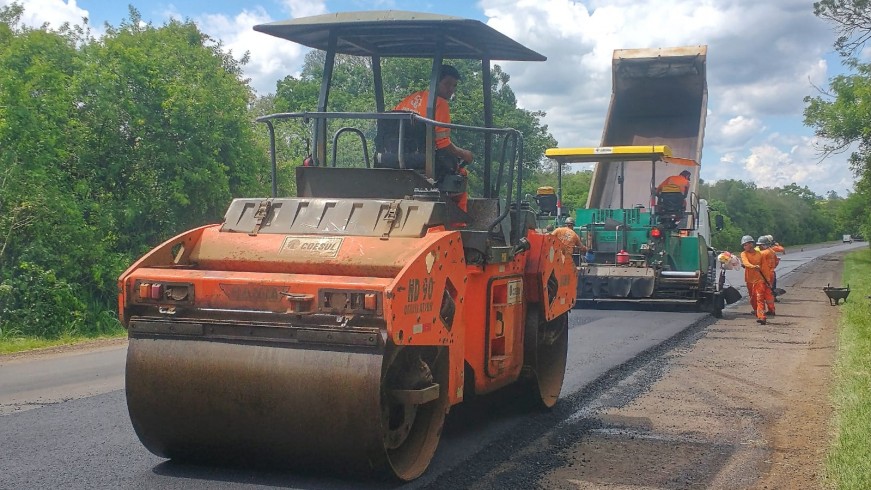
[644,249]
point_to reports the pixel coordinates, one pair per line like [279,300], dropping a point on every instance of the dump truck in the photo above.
[640,248]
[333,330]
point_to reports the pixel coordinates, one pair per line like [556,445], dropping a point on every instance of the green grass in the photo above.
[12,344]
[99,323]
[848,463]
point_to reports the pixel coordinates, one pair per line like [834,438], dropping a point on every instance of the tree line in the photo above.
[793,215]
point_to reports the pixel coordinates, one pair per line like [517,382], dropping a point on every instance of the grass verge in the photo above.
[11,345]
[848,465]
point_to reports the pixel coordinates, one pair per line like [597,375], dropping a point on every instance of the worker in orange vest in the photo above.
[769,263]
[676,183]
[770,244]
[671,198]
[416,102]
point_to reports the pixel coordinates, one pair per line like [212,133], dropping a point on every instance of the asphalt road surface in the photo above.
[64,422]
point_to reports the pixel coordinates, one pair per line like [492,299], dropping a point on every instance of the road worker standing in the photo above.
[752,261]
[777,249]
[769,263]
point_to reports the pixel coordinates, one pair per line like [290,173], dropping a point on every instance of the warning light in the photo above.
[655,233]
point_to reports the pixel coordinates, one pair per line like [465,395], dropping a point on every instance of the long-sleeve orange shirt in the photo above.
[769,262]
[777,249]
[752,262]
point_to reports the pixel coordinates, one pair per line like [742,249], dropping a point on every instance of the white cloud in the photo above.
[271,58]
[737,131]
[53,12]
[768,165]
[304,8]
[763,58]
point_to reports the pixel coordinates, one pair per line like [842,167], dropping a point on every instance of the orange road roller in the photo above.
[335,329]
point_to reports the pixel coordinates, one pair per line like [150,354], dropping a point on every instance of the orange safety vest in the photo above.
[416,102]
[675,183]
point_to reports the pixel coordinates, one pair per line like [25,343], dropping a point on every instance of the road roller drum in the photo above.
[208,400]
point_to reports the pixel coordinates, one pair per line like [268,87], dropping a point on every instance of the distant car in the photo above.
[847,239]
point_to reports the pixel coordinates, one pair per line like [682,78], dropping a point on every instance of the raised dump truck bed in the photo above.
[659,97]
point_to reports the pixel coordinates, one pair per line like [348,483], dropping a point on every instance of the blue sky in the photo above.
[763,59]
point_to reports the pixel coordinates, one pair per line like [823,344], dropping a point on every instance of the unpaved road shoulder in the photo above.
[35,379]
[743,406]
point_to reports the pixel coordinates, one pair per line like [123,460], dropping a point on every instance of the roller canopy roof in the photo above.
[396,33]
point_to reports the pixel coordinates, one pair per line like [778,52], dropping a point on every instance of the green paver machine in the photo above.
[640,250]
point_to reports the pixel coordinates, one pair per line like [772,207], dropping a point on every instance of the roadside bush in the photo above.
[34,302]
[102,320]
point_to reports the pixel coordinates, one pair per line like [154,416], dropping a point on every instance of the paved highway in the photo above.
[64,422]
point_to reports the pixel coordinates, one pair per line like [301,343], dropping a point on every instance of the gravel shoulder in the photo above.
[742,406]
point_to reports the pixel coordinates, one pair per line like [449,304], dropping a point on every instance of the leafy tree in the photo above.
[576,185]
[173,139]
[852,19]
[743,203]
[729,237]
[851,215]
[108,148]
[841,116]
[793,214]
[41,221]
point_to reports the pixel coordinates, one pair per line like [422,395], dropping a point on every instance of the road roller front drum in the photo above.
[330,410]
